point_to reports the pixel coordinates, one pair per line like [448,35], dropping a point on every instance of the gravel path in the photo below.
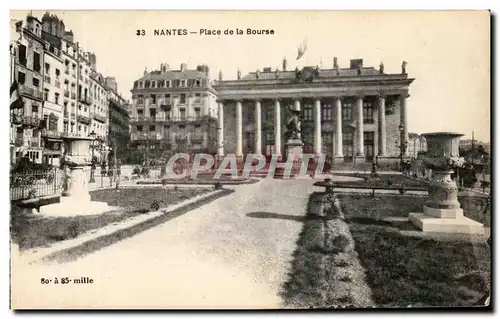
[234,252]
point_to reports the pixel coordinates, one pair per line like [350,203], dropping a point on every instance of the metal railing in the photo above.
[33,184]
[36,93]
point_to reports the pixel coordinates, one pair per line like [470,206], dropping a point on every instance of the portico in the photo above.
[343,115]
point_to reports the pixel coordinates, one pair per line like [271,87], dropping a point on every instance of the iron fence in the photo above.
[34,184]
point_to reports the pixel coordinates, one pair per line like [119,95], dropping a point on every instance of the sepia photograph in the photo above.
[250,160]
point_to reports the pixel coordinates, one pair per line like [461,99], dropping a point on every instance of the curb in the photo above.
[106,236]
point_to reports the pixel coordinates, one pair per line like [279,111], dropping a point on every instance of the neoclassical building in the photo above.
[354,113]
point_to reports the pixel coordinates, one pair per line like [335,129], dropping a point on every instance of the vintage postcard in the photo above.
[250,159]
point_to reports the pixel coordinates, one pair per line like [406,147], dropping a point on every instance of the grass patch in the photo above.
[384,181]
[411,270]
[34,230]
[384,205]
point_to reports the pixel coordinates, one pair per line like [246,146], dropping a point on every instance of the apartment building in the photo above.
[173,111]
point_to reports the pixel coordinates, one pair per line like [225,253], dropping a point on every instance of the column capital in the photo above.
[404,95]
[382,95]
[257,100]
[220,101]
[338,97]
[359,96]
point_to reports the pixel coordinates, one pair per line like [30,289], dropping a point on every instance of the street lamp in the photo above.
[402,145]
[93,161]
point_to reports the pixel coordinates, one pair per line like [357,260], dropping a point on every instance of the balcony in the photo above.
[73,95]
[71,134]
[84,119]
[31,92]
[66,93]
[51,134]
[31,121]
[57,83]
[180,137]
[47,78]
[100,118]
[196,137]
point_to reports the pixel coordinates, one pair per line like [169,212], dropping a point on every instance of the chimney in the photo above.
[183,67]
[356,63]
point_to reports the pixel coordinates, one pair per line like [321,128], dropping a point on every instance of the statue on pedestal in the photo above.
[381,68]
[238,74]
[293,126]
[403,67]
[220,75]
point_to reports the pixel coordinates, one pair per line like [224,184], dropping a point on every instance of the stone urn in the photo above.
[442,211]
[75,198]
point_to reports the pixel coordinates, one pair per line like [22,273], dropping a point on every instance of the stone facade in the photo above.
[334,106]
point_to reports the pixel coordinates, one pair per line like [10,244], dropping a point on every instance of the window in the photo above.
[346,111]
[307,112]
[153,84]
[166,131]
[152,113]
[182,130]
[21,77]
[139,128]
[140,99]
[161,83]
[153,98]
[22,55]
[56,98]
[167,84]
[367,112]
[308,139]
[183,99]
[58,73]
[368,138]
[136,84]
[152,128]
[36,62]
[327,112]
[198,83]
[197,112]
[36,82]
[347,143]
[327,141]
[52,123]
[183,83]
[140,113]
[197,129]
[47,68]
[147,84]
[183,114]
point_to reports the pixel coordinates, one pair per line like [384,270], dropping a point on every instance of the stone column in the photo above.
[339,156]
[239,129]
[220,133]
[277,128]
[317,127]
[258,128]
[359,127]
[404,119]
[383,129]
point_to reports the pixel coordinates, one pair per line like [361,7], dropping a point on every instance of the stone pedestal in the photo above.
[294,149]
[442,211]
[75,199]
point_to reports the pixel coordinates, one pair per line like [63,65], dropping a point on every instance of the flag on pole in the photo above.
[302,49]
[16,101]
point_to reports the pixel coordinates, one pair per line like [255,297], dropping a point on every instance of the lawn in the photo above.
[386,181]
[400,265]
[416,271]
[380,206]
[33,230]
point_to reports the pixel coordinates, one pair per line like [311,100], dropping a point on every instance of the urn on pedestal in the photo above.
[442,211]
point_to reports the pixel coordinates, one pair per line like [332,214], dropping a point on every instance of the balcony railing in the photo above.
[196,137]
[181,137]
[71,134]
[51,134]
[84,119]
[99,117]
[47,78]
[32,92]
[57,83]
[31,121]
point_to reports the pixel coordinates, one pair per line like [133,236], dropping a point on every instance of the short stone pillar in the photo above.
[442,211]
[75,198]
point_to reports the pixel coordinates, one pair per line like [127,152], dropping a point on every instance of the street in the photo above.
[234,252]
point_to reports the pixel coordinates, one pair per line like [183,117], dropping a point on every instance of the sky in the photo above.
[448,52]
